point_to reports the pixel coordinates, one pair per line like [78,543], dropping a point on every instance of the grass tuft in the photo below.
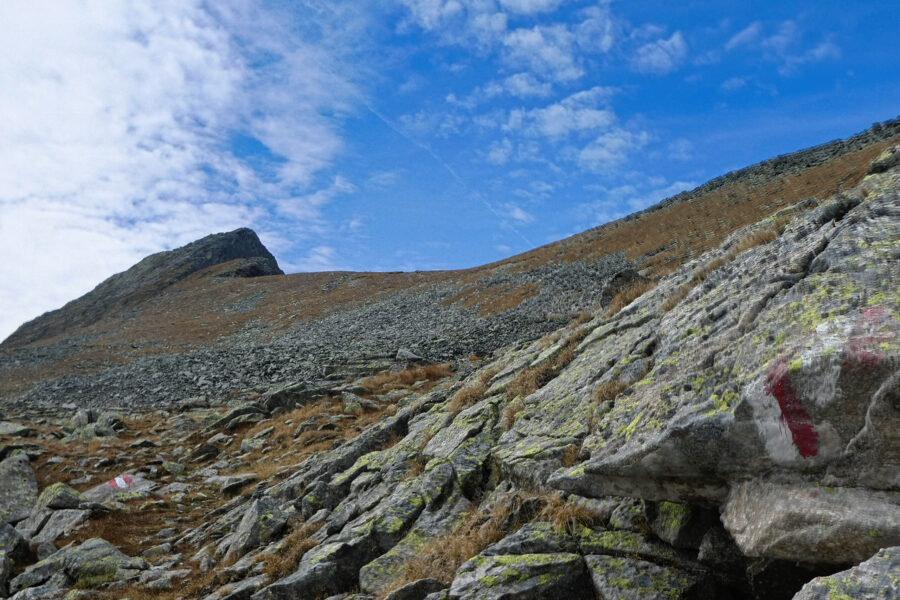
[629,294]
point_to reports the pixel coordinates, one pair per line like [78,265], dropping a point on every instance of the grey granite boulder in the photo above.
[875,579]
[522,577]
[18,488]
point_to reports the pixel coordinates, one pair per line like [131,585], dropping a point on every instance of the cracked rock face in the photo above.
[783,361]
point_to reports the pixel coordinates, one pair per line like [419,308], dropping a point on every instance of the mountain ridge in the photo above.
[718,423]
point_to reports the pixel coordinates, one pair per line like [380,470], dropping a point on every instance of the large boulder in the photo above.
[876,579]
[90,564]
[522,577]
[781,365]
[262,522]
[18,488]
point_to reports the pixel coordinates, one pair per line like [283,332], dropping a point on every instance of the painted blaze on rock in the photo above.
[793,415]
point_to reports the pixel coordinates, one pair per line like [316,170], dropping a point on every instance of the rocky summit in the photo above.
[700,401]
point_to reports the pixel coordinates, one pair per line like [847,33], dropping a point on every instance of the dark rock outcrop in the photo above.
[241,249]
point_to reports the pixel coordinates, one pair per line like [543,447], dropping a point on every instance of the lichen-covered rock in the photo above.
[15,429]
[784,358]
[682,525]
[538,537]
[326,569]
[887,160]
[632,579]
[416,590]
[433,523]
[127,483]
[6,565]
[11,542]
[799,521]
[59,496]
[522,577]
[262,523]
[90,564]
[59,524]
[875,579]
[18,488]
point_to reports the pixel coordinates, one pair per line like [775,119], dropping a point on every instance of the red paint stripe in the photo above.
[798,421]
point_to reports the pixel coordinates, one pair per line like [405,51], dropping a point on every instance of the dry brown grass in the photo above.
[293,547]
[509,299]
[608,390]
[196,585]
[629,294]
[566,515]
[531,379]
[132,535]
[510,411]
[570,455]
[473,392]
[467,395]
[441,557]
[757,238]
[386,381]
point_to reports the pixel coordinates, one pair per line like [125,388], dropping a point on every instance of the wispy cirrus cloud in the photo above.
[125,128]
[661,56]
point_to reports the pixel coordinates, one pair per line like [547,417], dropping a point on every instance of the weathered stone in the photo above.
[6,565]
[886,161]
[875,579]
[521,577]
[416,590]
[60,524]
[682,525]
[796,522]
[18,488]
[262,523]
[94,562]
[632,579]
[326,569]
[12,544]
[535,538]
[59,496]
[15,429]
[127,483]
[629,515]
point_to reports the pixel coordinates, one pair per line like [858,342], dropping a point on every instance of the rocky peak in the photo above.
[241,249]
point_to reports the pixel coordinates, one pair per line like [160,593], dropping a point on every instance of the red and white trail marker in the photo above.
[122,481]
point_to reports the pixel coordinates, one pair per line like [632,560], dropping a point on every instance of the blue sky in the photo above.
[414,134]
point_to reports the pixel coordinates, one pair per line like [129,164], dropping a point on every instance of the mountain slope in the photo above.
[731,432]
[169,304]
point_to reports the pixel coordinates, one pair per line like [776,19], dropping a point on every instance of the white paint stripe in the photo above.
[120,482]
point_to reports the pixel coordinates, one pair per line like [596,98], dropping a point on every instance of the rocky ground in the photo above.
[729,431]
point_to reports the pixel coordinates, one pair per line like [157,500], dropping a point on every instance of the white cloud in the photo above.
[499,152]
[733,84]
[611,149]
[547,51]
[598,31]
[787,35]
[307,209]
[746,36]
[516,214]
[523,85]
[661,56]
[117,128]
[680,149]
[318,258]
[620,201]
[529,6]
[576,113]
[383,179]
